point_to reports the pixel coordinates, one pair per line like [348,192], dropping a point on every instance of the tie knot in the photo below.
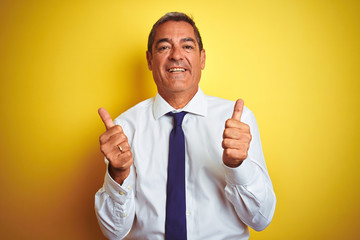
[178,117]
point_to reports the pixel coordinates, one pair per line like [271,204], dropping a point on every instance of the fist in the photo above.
[115,147]
[236,138]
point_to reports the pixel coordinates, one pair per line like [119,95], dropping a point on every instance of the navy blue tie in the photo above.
[175,221]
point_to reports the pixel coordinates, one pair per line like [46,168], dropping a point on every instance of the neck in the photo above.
[178,100]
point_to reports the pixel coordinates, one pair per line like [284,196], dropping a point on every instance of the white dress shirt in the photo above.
[220,201]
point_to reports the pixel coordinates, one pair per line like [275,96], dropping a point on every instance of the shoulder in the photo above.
[216,101]
[225,107]
[139,111]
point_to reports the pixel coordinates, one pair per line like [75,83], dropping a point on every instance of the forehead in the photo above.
[174,31]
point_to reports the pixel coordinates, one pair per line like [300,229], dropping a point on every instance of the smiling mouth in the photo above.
[176,70]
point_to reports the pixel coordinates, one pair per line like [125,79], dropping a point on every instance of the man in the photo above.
[219,167]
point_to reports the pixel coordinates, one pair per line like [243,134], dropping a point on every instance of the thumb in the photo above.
[238,109]
[106,118]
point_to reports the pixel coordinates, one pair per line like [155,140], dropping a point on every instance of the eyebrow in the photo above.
[187,39]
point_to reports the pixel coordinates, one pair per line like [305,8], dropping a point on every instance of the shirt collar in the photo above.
[197,105]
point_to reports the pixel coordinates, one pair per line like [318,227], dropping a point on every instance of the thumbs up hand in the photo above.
[236,138]
[115,147]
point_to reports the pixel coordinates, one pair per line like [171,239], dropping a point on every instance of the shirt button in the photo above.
[121,193]
[129,187]
[187,213]
[124,215]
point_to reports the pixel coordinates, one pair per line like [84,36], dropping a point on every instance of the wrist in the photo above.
[119,175]
[232,164]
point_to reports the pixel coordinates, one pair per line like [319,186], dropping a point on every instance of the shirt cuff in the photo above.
[119,193]
[240,175]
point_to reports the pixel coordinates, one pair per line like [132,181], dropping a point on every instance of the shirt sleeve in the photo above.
[248,187]
[115,206]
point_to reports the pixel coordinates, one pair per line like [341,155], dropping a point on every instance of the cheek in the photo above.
[155,67]
[159,60]
[198,67]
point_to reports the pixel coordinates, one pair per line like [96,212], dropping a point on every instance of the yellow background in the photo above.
[295,63]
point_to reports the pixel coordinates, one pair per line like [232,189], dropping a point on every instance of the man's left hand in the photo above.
[236,138]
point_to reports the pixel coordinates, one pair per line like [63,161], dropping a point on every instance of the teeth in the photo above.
[177,70]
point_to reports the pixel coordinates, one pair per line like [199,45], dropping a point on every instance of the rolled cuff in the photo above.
[119,193]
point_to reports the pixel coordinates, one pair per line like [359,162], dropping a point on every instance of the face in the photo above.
[176,61]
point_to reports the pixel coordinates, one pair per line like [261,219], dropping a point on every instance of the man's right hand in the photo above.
[115,147]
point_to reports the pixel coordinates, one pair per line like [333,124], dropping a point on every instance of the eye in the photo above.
[188,47]
[163,48]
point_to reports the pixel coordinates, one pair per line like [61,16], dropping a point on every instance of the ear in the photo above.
[202,59]
[149,58]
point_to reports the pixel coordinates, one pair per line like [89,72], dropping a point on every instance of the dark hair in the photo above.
[177,17]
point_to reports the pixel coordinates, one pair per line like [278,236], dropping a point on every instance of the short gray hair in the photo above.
[177,17]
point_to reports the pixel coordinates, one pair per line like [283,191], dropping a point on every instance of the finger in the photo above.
[124,147]
[232,123]
[234,157]
[124,160]
[106,118]
[110,144]
[238,109]
[231,143]
[233,133]
[110,135]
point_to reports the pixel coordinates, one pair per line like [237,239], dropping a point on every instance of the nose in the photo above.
[176,53]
